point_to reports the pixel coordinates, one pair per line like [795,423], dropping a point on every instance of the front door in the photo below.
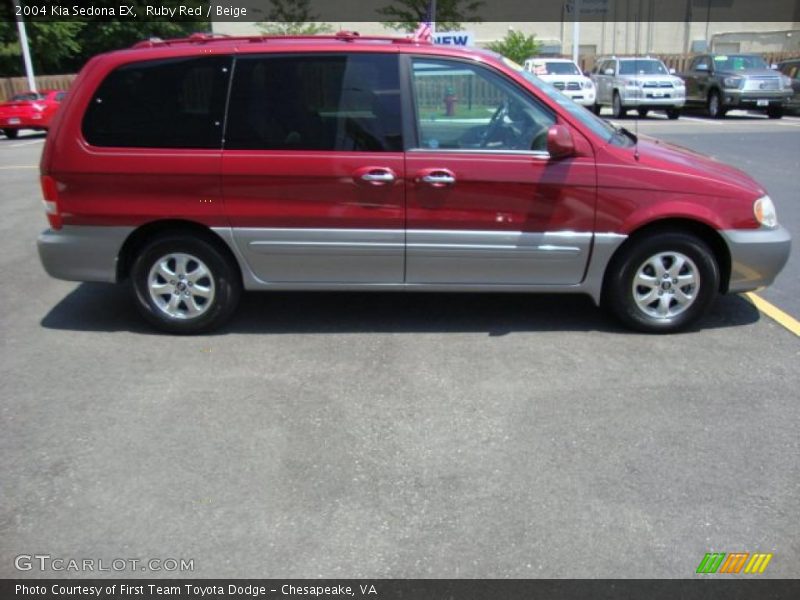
[486,204]
[313,168]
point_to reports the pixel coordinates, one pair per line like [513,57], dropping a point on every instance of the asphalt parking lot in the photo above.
[379,435]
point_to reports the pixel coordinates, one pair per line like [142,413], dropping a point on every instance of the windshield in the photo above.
[642,67]
[596,124]
[738,62]
[561,68]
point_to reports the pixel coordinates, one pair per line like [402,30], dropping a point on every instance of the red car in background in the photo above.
[29,110]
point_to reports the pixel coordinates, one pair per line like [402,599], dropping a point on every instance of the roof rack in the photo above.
[343,36]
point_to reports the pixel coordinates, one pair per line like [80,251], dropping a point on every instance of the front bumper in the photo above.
[757,256]
[82,253]
[754,99]
[648,99]
[582,97]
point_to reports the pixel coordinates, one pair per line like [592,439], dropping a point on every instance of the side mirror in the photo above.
[559,142]
[672,71]
[608,72]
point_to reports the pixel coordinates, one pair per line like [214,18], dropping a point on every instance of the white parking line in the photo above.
[699,120]
[28,143]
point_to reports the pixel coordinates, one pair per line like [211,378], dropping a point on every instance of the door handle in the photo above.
[375,175]
[437,177]
[440,179]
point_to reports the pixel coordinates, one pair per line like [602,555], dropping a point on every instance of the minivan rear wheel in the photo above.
[662,283]
[11,133]
[183,284]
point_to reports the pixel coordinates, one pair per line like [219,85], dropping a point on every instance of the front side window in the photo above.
[642,67]
[462,106]
[345,102]
[172,103]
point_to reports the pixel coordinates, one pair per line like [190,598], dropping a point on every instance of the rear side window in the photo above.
[346,102]
[173,103]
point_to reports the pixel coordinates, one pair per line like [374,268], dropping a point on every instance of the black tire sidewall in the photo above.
[720,108]
[618,286]
[227,284]
[617,110]
[11,133]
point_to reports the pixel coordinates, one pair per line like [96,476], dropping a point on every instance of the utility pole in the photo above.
[26,53]
[576,30]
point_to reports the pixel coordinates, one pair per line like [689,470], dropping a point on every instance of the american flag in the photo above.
[424,32]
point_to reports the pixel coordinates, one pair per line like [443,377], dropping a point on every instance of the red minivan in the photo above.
[198,167]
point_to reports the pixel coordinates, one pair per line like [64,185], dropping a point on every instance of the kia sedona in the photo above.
[194,169]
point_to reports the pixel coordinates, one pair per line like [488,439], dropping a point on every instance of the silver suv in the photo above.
[643,83]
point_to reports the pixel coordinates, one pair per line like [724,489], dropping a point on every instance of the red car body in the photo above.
[30,110]
[578,210]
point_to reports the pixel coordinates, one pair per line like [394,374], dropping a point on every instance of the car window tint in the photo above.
[465,106]
[174,103]
[642,67]
[346,102]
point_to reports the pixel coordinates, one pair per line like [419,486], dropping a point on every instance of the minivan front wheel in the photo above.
[183,284]
[662,283]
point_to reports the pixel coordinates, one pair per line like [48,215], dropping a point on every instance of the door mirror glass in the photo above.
[608,72]
[559,142]
[672,71]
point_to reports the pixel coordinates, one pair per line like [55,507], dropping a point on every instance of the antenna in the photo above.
[636,66]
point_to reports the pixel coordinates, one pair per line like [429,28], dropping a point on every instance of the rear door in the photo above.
[313,167]
[486,203]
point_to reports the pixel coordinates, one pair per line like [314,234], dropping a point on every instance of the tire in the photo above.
[596,109]
[671,306]
[617,110]
[715,108]
[643,112]
[179,265]
[11,133]
[673,114]
[775,113]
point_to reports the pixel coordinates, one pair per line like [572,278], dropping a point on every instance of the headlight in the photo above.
[678,83]
[733,82]
[764,210]
[588,85]
[787,82]
[631,83]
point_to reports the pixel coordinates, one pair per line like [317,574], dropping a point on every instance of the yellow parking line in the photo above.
[773,312]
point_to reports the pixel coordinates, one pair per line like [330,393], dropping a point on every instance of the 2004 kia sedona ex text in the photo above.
[199,167]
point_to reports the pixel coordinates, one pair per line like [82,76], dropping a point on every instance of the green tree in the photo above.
[292,17]
[405,15]
[64,46]
[517,46]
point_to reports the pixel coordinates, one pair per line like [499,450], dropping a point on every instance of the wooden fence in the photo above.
[14,85]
